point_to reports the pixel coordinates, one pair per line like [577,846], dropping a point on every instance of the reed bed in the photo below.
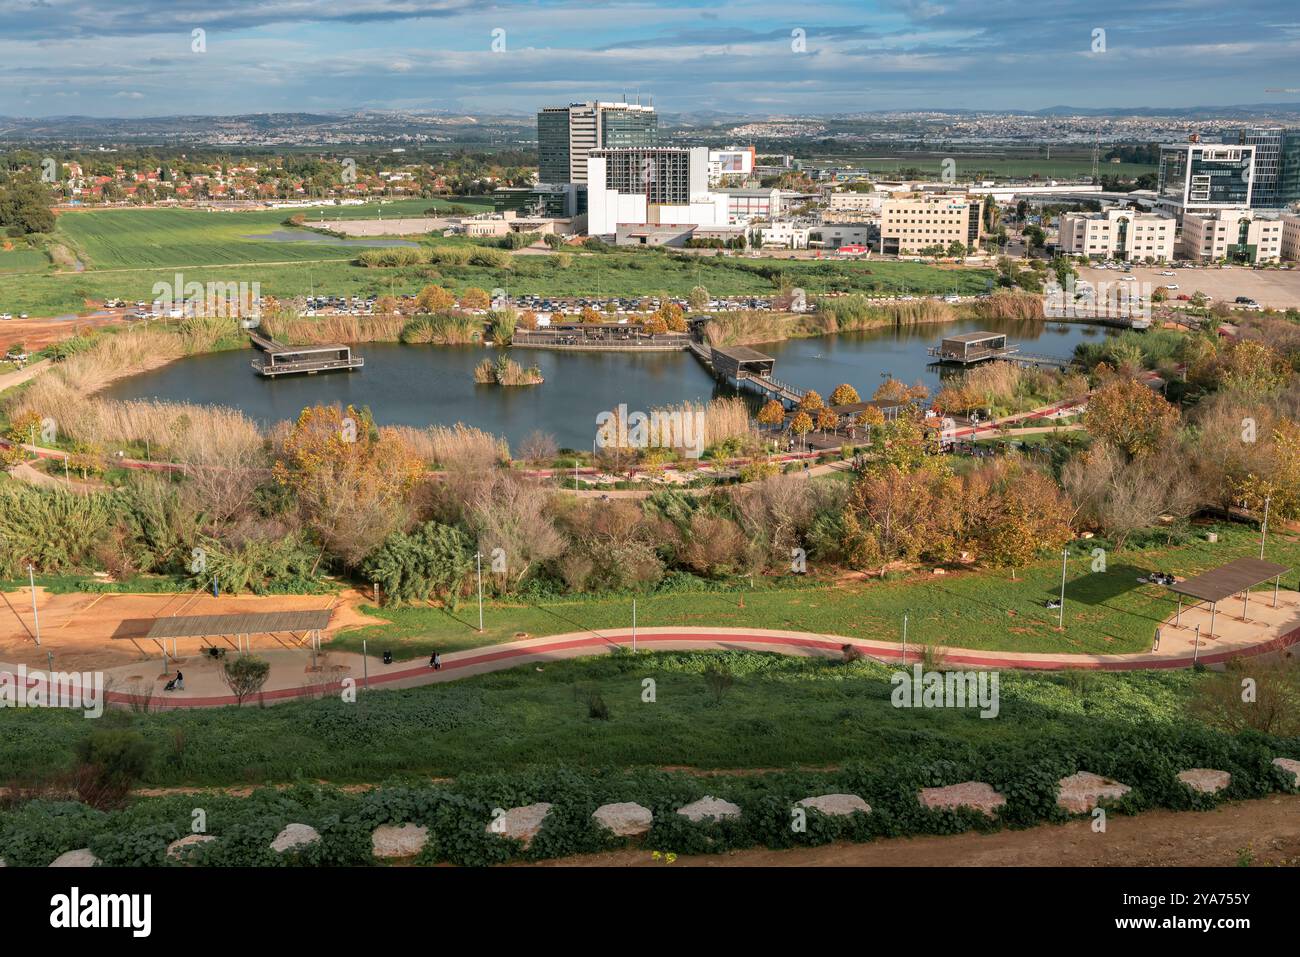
[454,446]
[443,329]
[330,329]
[1010,305]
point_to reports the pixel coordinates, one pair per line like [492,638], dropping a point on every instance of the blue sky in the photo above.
[135,58]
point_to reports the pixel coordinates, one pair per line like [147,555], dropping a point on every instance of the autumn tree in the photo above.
[1015,513]
[1131,416]
[590,315]
[772,413]
[844,394]
[699,298]
[1276,478]
[801,424]
[894,515]
[811,401]
[350,478]
[891,390]
[826,420]
[475,298]
[434,299]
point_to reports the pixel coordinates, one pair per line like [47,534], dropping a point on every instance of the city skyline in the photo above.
[143,58]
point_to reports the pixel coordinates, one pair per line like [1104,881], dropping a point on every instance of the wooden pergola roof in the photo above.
[1230,579]
[742,354]
[198,626]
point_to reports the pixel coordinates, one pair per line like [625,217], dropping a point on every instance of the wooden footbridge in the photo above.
[746,368]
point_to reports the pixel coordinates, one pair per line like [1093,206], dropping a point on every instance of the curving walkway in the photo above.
[287,676]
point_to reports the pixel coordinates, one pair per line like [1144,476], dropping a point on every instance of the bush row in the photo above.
[456,814]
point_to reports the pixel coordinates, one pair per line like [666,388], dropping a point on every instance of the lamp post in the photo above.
[1263,528]
[36,620]
[478,561]
[1060,620]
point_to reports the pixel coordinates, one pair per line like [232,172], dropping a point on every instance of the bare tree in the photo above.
[245,675]
[538,448]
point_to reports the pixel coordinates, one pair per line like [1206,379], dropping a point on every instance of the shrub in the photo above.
[109,763]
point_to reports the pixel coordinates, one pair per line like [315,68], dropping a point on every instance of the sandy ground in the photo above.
[1268,287]
[94,632]
[1263,832]
[36,334]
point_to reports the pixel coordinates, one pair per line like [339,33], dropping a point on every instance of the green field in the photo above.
[126,252]
[22,261]
[1106,613]
[781,712]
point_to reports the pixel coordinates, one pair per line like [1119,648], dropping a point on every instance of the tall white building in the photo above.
[662,185]
[1118,234]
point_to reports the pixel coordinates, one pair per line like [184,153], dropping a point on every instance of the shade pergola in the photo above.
[241,627]
[1236,577]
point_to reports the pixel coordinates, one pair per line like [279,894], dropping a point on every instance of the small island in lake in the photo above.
[505,371]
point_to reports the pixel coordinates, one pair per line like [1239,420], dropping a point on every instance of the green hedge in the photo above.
[456,814]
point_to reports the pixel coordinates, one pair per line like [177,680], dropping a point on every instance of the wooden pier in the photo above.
[971,348]
[746,368]
[279,359]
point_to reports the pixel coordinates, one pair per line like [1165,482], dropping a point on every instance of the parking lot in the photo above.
[1279,289]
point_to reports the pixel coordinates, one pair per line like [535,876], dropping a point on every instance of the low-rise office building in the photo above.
[744,205]
[849,207]
[911,222]
[1118,234]
[1239,234]
[1290,237]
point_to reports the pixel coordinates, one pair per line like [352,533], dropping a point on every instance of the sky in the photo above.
[131,58]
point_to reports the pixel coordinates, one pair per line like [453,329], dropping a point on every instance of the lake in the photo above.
[421,385]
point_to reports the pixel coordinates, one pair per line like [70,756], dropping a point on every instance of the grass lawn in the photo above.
[1105,612]
[127,251]
[780,712]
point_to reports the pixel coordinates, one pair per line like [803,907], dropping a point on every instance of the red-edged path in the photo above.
[578,644]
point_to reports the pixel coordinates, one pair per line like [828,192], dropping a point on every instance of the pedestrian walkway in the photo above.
[1269,629]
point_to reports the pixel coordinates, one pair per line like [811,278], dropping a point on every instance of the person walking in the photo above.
[435,661]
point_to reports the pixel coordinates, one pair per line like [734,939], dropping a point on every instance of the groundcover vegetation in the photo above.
[820,727]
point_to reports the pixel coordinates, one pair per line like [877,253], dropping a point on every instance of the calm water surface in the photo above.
[421,385]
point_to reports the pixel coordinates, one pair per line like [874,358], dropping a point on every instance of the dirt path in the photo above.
[1262,832]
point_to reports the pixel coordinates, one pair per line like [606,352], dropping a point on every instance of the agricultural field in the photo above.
[22,260]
